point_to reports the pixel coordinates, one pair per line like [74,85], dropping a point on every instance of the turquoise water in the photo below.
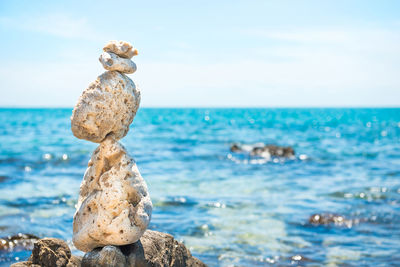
[229,209]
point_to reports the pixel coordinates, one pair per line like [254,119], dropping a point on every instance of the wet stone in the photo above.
[331,219]
[265,151]
[18,242]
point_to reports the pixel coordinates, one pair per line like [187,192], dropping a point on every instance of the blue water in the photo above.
[230,210]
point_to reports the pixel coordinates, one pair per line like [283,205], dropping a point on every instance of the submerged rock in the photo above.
[236,148]
[114,207]
[50,252]
[329,218]
[18,242]
[153,249]
[298,259]
[273,150]
[265,151]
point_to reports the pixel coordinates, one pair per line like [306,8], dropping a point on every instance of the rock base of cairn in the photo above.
[153,249]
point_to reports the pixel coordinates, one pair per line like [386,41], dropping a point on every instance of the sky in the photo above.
[206,53]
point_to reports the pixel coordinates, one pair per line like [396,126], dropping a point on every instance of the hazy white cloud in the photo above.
[48,84]
[257,83]
[316,77]
[366,38]
[316,68]
[306,67]
[58,25]
[300,35]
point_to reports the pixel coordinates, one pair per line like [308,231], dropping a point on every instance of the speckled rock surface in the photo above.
[111,61]
[107,106]
[121,48]
[114,207]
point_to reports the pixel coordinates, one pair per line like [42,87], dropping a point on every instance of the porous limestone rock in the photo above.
[111,61]
[106,107]
[114,207]
[121,48]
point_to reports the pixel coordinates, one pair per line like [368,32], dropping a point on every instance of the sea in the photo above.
[228,208]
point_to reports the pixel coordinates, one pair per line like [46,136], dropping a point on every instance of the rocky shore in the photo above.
[153,249]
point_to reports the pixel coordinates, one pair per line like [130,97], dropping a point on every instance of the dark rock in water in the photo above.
[274,151]
[50,252]
[18,242]
[236,148]
[329,218]
[262,150]
[153,249]
[299,258]
[3,178]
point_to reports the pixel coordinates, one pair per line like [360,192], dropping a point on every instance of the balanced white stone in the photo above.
[114,206]
[120,48]
[107,106]
[111,61]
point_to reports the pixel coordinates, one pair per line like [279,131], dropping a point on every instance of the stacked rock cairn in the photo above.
[114,206]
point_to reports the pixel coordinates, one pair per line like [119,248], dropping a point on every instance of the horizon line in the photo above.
[214,107]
